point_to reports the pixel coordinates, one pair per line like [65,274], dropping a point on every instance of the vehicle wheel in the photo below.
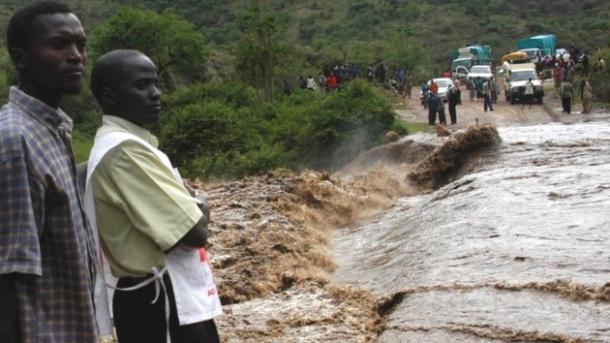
[512,99]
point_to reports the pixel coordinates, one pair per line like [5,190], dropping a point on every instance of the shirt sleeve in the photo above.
[156,203]
[21,214]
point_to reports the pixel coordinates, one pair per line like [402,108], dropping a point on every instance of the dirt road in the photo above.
[503,114]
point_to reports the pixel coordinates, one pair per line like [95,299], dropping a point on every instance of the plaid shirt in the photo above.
[44,236]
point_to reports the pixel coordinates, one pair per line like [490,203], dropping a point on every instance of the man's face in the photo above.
[54,61]
[137,94]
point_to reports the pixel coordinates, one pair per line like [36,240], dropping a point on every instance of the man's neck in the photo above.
[52,100]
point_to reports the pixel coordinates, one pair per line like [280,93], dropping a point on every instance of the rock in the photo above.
[392,136]
[442,131]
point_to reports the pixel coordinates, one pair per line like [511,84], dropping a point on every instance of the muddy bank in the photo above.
[271,241]
[270,252]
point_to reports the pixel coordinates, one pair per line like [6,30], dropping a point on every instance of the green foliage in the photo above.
[81,145]
[212,133]
[259,50]
[173,43]
[600,79]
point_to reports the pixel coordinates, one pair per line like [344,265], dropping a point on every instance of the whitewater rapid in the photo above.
[515,250]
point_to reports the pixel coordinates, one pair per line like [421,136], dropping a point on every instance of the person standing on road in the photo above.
[566,96]
[586,94]
[48,251]
[487,89]
[471,90]
[528,93]
[453,99]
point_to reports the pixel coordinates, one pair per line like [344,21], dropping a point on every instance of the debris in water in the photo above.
[446,160]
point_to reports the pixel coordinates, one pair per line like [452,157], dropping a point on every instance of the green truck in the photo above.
[466,57]
[546,43]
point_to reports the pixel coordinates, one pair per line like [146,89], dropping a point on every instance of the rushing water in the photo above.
[478,260]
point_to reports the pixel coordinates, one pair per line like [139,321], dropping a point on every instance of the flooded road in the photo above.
[517,250]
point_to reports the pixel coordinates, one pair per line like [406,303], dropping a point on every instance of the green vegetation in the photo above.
[222,62]
[225,130]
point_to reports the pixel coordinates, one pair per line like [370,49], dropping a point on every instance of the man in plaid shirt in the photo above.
[47,250]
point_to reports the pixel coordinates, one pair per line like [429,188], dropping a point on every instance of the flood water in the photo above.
[515,251]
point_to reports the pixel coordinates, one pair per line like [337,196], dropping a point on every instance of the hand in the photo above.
[202,202]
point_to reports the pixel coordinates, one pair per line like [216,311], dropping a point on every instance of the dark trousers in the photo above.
[452,113]
[527,99]
[432,116]
[9,314]
[138,321]
[487,103]
[566,103]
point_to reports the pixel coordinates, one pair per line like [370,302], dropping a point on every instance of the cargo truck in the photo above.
[546,43]
[466,57]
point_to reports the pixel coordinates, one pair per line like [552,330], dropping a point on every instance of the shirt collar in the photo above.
[125,125]
[51,117]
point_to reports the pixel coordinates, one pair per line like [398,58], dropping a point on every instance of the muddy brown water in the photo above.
[517,250]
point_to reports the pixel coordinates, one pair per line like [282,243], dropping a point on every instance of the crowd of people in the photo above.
[333,78]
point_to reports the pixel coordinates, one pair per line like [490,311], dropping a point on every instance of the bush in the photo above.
[600,80]
[213,131]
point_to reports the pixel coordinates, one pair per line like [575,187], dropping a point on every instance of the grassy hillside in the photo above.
[327,31]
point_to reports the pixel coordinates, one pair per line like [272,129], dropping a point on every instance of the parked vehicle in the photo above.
[516,76]
[444,83]
[547,44]
[469,56]
[480,71]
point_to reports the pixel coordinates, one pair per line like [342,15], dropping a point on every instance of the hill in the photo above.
[362,31]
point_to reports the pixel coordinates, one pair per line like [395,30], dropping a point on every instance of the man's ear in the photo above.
[108,97]
[18,56]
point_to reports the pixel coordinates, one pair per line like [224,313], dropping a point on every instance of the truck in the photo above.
[546,43]
[466,57]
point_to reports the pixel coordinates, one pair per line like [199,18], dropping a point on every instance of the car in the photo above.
[444,83]
[480,71]
[514,83]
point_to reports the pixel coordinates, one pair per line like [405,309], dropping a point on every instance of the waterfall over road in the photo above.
[516,250]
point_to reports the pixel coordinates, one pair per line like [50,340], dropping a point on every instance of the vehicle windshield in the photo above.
[480,69]
[523,75]
[443,82]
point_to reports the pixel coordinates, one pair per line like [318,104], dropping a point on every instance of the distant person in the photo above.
[471,89]
[287,87]
[152,229]
[586,94]
[380,73]
[436,107]
[453,99]
[370,73]
[331,83]
[528,93]
[478,87]
[566,96]
[48,252]
[311,83]
[487,90]
[302,82]
[425,92]
[585,64]
[433,87]
[601,64]
[493,87]
[557,77]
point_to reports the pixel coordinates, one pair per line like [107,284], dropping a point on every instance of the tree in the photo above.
[259,49]
[173,44]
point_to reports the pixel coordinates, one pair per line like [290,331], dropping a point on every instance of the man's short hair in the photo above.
[22,26]
[107,68]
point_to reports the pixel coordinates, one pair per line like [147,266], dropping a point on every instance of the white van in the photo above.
[516,75]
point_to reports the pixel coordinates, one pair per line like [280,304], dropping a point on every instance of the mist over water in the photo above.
[479,259]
